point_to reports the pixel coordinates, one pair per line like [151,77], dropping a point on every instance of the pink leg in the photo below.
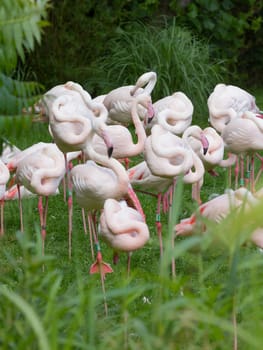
[2,217]
[43,220]
[20,209]
[236,173]
[99,266]
[86,232]
[158,223]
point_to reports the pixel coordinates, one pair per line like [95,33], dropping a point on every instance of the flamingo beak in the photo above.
[107,140]
[205,143]
[150,112]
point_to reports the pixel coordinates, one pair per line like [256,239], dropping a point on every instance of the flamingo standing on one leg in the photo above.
[4,177]
[123,228]
[118,101]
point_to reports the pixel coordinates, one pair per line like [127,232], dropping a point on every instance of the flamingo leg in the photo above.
[2,217]
[20,208]
[158,223]
[68,167]
[86,231]
[236,173]
[260,170]
[43,220]
[99,266]
[242,177]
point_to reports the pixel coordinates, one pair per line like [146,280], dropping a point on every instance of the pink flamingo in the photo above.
[215,210]
[123,228]
[44,106]
[4,177]
[118,101]
[142,180]
[228,102]
[124,146]
[209,146]
[93,184]
[71,129]
[168,155]
[41,173]
[180,115]
[244,136]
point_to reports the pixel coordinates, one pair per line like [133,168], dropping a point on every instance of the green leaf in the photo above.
[29,314]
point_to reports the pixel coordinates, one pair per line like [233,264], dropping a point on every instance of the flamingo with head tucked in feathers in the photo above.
[179,116]
[123,228]
[228,102]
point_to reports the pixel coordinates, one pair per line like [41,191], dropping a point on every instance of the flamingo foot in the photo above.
[99,266]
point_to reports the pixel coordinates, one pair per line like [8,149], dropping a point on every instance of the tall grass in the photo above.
[182,62]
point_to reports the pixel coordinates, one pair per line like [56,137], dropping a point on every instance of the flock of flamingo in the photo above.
[92,146]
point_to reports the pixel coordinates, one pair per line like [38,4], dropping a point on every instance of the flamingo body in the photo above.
[123,227]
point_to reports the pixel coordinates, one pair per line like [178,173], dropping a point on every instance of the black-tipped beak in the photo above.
[205,149]
[110,151]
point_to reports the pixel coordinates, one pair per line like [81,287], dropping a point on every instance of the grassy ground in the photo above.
[62,306]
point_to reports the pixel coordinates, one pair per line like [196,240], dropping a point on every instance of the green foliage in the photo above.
[234,29]
[181,61]
[20,23]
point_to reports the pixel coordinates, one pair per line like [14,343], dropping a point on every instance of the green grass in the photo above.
[62,306]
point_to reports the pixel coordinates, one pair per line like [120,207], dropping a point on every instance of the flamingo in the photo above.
[228,102]
[209,146]
[70,129]
[93,184]
[123,228]
[180,115]
[118,101]
[168,155]
[244,135]
[9,151]
[44,106]
[41,173]
[217,209]
[124,146]
[142,180]
[4,177]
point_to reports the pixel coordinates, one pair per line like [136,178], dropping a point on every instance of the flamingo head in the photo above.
[107,140]
[204,142]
